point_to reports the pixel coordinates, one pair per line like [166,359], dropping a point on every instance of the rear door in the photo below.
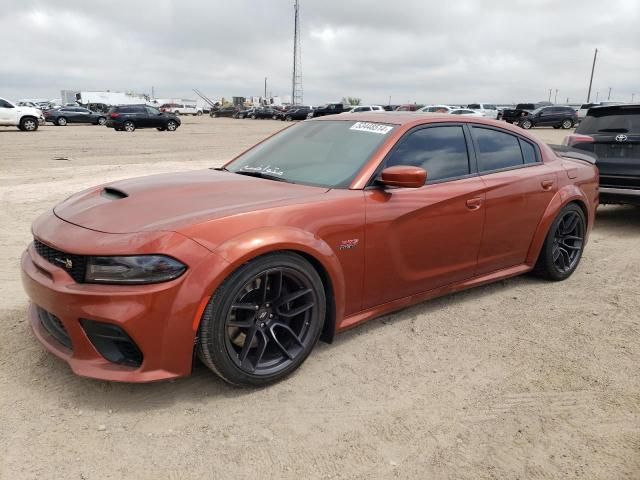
[548,117]
[518,189]
[8,114]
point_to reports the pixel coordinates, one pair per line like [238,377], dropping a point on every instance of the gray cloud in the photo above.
[411,50]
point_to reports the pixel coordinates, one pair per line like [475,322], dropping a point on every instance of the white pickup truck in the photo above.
[26,119]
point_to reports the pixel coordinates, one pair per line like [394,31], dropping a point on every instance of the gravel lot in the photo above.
[522,379]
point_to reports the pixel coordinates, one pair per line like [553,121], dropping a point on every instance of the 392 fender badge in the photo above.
[348,244]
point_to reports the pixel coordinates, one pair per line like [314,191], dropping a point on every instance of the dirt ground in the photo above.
[522,379]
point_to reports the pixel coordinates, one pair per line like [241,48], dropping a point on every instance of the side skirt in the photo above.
[379,310]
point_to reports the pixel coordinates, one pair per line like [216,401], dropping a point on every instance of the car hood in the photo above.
[171,201]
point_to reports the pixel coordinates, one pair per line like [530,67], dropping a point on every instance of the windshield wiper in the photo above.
[261,175]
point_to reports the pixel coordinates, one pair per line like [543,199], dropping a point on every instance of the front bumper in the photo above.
[161,319]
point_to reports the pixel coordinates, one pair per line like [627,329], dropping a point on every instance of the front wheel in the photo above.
[567,124]
[526,124]
[61,121]
[263,321]
[172,126]
[28,124]
[562,249]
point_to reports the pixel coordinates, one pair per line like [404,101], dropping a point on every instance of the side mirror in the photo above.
[403,176]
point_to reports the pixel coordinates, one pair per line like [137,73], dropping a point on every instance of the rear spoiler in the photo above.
[574,153]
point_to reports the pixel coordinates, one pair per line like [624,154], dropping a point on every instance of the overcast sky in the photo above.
[454,51]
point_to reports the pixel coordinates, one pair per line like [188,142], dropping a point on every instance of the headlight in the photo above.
[133,270]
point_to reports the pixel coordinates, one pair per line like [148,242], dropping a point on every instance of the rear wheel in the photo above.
[128,126]
[198,113]
[263,321]
[61,121]
[253,117]
[102,120]
[28,124]
[567,123]
[564,244]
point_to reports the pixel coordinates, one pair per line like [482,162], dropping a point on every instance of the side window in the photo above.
[474,106]
[441,151]
[496,150]
[528,152]
[5,104]
[152,111]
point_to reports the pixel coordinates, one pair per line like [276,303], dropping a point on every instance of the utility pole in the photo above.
[555,99]
[597,96]
[632,97]
[609,96]
[593,67]
[550,95]
[265,89]
[296,80]
[390,100]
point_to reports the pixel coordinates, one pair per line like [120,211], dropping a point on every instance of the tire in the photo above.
[288,118]
[274,117]
[61,121]
[252,117]
[284,341]
[177,113]
[28,124]
[102,121]
[128,126]
[215,115]
[172,126]
[526,124]
[567,256]
[198,113]
[567,123]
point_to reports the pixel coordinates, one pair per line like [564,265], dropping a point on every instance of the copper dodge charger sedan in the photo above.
[321,227]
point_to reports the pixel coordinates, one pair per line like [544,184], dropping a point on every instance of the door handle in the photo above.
[547,184]
[474,203]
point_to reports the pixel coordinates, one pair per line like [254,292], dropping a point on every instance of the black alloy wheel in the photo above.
[564,244]
[264,320]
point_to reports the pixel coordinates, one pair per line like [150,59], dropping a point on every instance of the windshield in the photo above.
[537,111]
[323,153]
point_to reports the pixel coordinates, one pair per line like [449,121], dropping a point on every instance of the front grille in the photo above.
[55,327]
[74,265]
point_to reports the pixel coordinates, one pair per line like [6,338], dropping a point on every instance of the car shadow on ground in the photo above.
[624,218]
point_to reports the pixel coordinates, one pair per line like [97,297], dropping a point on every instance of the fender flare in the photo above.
[254,243]
[564,196]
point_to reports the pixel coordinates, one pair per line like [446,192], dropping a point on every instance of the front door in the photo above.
[7,113]
[418,239]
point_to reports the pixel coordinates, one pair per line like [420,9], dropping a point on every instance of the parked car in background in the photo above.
[512,115]
[243,113]
[223,112]
[408,107]
[296,113]
[65,115]
[180,109]
[554,116]
[612,133]
[466,112]
[366,108]
[130,117]
[264,112]
[488,110]
[436,109]
[328,109]
[26,119]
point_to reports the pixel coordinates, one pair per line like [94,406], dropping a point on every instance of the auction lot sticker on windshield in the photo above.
[371,127]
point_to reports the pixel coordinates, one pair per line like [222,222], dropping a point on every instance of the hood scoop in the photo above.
[113,193]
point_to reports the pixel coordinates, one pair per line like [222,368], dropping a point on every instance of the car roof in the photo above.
[407,118]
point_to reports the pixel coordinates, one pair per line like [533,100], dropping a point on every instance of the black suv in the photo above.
[612,132]
[554,116]
[130,117]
